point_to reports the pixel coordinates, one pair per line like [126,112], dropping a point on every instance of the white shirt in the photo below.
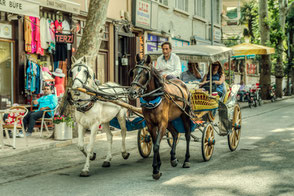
[170,67]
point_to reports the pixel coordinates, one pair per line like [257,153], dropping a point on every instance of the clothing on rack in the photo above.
[34,28]
[38,38]
[28,34]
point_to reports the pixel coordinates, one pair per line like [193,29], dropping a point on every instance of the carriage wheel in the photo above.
[210,116]
[235,134]
[169,137]
[144,142]
[208,141]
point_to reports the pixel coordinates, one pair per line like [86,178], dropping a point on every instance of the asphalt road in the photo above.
[262,165]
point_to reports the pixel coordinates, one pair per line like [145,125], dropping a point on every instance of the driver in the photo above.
[218,79]
[168,63]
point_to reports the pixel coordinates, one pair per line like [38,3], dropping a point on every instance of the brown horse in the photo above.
[164,101]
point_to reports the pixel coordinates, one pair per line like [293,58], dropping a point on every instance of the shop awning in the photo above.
[251,56]
[199,53]
[21,7]
[247,49]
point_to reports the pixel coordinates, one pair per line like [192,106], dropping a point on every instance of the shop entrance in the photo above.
[6,73]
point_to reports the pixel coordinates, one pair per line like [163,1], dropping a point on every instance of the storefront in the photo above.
[11,78]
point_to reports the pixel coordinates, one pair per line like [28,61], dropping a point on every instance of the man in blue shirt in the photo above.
[46,102]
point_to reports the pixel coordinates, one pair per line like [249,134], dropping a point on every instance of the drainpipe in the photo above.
[211,21]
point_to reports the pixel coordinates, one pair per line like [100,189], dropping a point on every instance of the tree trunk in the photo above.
[292,81]
[265,64]
[90,43]
[279,68]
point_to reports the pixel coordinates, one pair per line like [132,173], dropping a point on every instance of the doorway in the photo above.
[6,73]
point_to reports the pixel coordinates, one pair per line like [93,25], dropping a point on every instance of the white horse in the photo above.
[90,114]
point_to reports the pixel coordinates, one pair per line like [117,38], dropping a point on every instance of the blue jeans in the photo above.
[30,119]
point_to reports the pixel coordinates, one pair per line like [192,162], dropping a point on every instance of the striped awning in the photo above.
[247,49]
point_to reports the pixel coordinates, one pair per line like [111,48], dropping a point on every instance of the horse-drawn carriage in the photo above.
[168,109]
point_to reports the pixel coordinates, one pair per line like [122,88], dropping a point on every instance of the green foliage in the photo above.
[232,41]
[249,17]
[61,118]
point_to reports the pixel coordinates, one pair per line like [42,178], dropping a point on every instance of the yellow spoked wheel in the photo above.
[235,134]
[208,142]
[144,142]
[170,139]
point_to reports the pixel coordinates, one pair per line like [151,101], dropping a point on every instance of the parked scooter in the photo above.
[254,97]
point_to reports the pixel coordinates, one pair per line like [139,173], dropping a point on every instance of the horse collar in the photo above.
[151,104]
[86,107]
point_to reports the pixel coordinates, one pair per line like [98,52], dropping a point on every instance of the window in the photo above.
[182,5]
[163,2]
[216,16]
[199,8]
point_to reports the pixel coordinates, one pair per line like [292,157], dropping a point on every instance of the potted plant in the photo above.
[63,127]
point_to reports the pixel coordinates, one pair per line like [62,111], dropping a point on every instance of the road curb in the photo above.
[54,144]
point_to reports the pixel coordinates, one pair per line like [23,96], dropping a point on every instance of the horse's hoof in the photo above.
[106,164]
[93,157]
[157,176]
[125,155]
[84,174]
[186,165]
[174,163]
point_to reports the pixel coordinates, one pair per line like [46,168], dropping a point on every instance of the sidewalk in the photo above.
[37,144]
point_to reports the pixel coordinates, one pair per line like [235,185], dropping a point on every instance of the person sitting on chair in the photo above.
[168,63]
[192,74]
[47,102]
[218,79]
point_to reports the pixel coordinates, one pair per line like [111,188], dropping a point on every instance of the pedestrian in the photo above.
[47,102]
[218,79]
[168,63]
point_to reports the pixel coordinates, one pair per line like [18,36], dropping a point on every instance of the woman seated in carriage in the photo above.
[192,74]
[218,79]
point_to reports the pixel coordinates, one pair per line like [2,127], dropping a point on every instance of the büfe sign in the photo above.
[64,38]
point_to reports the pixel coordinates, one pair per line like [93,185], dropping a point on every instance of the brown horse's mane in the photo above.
[158,78]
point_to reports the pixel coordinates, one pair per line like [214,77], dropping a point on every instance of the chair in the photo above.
[15,122]
[45,120]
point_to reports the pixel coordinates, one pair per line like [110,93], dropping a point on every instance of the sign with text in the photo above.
[142,13]
[27,8]
[64,38]
[62,5]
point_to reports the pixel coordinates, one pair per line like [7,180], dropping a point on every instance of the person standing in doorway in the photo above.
[168,63]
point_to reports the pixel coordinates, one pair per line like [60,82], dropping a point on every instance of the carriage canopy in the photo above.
[199,53]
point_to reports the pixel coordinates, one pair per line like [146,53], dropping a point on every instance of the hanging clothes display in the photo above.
[44,33]
[33,77]
[28,34]
[33,34]
[39,49]
[51,48]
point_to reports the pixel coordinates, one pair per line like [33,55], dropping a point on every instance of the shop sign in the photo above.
[64,38]
[142,13]
[5,31]
[61,5]
[27,8]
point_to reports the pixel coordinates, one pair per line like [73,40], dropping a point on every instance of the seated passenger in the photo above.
[218,78]
[192,74]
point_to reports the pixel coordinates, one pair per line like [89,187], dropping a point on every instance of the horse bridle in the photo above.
[135,81]
[75,78]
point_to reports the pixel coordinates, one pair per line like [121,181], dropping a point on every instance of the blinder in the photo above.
[88,76]
[139,69]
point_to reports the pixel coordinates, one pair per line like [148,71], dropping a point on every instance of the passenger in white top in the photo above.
[168,63]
